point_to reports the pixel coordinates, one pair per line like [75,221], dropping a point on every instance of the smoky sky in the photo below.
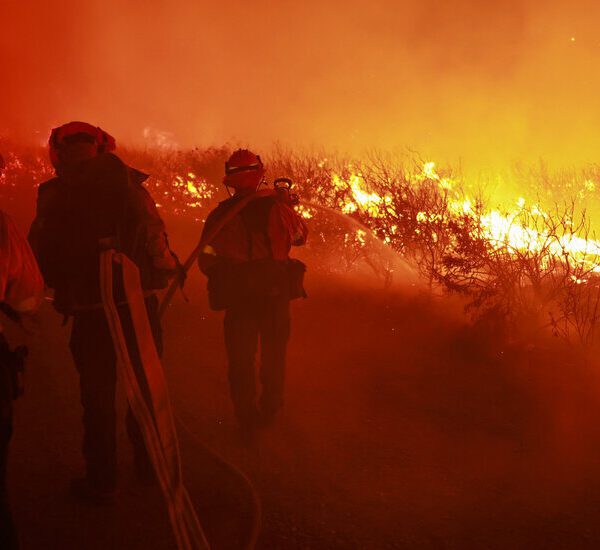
[471,80]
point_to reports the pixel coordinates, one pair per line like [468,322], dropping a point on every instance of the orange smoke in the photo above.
[483,82]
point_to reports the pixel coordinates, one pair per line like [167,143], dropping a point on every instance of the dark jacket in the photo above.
[266,227]
[247,260]
[102,204]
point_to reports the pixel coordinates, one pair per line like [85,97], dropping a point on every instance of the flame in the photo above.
[362,199]
[305,211]
[195,190]
[429,171]
[515,229]
[502,229]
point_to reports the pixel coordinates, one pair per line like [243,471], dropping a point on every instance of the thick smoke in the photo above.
[480,81]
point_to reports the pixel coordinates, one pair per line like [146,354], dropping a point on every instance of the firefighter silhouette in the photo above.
[244,252]
[97,202]
[21,290]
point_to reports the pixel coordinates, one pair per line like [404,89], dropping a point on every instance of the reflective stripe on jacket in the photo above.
[21,284]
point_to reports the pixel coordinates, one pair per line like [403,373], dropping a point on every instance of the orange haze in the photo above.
[473,80]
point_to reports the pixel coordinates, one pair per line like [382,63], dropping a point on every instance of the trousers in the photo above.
[94,356]
[8,535]
[247,325]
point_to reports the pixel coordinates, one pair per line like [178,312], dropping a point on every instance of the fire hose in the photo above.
[255,528]
[155,417]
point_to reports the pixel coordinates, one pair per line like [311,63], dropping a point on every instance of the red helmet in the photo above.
[243,170]
[81,131]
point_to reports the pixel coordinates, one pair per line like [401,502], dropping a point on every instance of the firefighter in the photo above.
[21,290]
[95,202]
[244,252]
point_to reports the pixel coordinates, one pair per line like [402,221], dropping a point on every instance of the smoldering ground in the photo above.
[404,427]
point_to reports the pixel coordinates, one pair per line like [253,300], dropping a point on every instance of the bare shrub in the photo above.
[542,269]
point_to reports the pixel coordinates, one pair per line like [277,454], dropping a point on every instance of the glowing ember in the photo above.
[305,211]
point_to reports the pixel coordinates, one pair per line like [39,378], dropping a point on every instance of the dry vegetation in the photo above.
[363,209]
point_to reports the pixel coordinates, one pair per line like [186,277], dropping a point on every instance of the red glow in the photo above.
[481,81]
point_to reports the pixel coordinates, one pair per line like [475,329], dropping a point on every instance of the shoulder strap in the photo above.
[210,235]
[237,207]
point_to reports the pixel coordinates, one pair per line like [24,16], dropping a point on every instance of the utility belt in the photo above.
[93,307]
[12,365]
[74,309]
[231,284]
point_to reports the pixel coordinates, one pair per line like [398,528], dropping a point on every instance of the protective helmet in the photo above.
[244,169]
[79,131]
[242,160]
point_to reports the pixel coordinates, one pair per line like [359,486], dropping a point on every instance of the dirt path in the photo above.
[400,430]
[403,430]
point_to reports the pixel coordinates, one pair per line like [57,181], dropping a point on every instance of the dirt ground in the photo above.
[402,428]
